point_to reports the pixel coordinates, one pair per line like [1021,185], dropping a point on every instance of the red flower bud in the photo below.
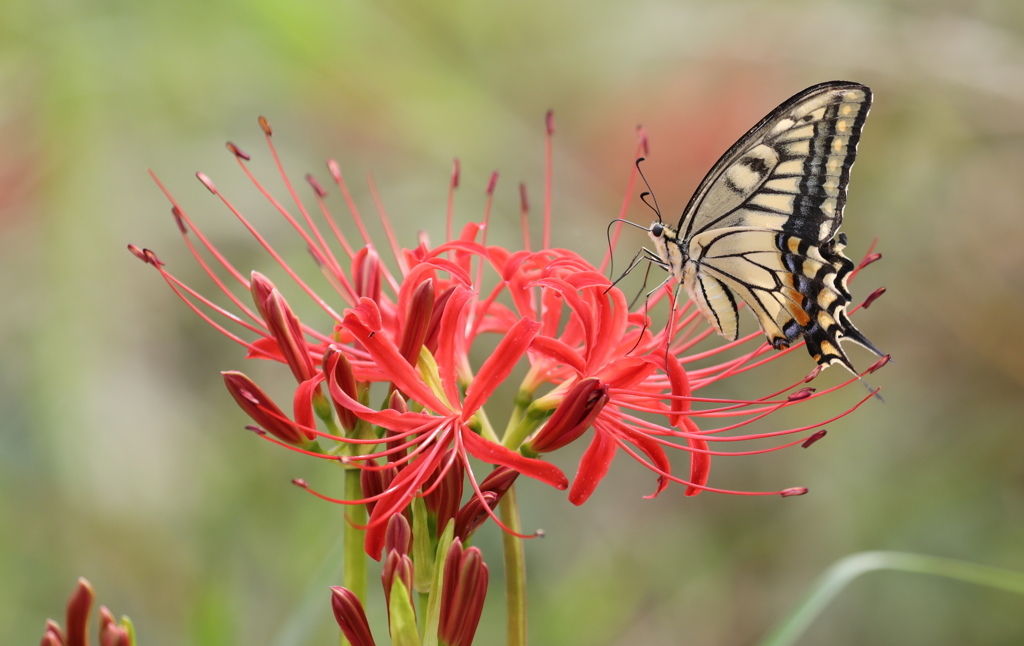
[374,482]
[283,326]
[462,600]
[474,513]
[350,617]
[339,375]
[443,498]
[257,405]
[366,274]
[573,417]
[417,321]
[398,536]
[79,605]
[398,566]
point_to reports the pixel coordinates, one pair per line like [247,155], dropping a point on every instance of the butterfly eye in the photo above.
[657,230]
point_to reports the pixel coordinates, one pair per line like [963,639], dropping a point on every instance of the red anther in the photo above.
[872,297]
[524,203]
[456,171]
[265,125]
[334,170]
[549,122]
[237,152]
[878,364]
[152,258]
[256,429]
[179,219]
[641,134]
[318,258]
[317,188]
[207,182]
[803,393]
[793,491]
[491,184]
[812,374]
[814,438]
[139,253]
[868,259]
[300,482]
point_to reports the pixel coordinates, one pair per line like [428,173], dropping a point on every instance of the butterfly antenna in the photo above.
[650,191]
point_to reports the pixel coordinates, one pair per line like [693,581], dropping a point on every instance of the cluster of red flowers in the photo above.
[411,338]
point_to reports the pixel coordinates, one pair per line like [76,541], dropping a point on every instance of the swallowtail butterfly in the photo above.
[763,226]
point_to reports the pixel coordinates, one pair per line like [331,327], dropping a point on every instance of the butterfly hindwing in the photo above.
[763,225]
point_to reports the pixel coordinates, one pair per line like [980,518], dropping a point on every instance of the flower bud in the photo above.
[462,600]
[417,321]
[339,375]
[443,498]
[572,418]
[257,405]
[375,481]
[366,274]
[351,617]
[398,536]
[283,326]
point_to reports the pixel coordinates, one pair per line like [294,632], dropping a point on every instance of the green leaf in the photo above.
[403,617]
[422,559]
[844,571]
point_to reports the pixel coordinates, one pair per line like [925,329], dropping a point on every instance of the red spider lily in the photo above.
[412,331]
[609,367]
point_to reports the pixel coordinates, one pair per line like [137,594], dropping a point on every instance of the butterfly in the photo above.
[763,226]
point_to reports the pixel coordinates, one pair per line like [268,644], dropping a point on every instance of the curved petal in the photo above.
[385,354]
[652,450]
[554,349]
[451,338]
[388,418]
[494,453]
[398,496]
[700,460]
[498,366]
[302,404]
[593,467]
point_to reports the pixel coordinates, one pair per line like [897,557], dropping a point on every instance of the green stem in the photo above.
[354,573]
[847,569]
[515,570]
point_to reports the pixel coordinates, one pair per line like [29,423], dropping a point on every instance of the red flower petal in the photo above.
[494,453]
[385,354]
[498,366]
[562,353]
[593,467]
[451,337]
[700,462]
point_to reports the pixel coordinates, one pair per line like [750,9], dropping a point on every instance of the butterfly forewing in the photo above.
[762,225]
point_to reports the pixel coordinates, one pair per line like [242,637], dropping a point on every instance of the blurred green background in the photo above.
[122,458]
